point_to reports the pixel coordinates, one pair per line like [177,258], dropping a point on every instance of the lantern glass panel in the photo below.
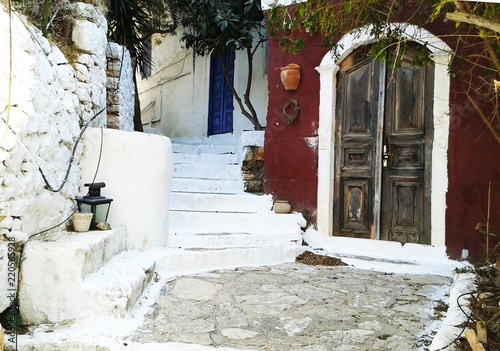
[101,213]
[85,208]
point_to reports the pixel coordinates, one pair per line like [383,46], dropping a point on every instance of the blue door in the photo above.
[220,105]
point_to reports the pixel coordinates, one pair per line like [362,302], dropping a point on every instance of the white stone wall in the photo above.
[120,87]
[50,97]
[89,37]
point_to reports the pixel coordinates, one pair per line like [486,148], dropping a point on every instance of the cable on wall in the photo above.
[48,186]
[9,87]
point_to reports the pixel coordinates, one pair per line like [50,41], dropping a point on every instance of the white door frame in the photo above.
[441,54]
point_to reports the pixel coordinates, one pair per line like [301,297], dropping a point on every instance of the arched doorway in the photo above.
[353,184]
[383,147]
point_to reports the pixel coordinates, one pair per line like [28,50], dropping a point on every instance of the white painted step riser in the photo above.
[68,291]
[187,241]
[204,222]
[207,185]
[99,254]
[220,202]
[203,148]
[119,284]
[190,262]
[207,171]
[225,159]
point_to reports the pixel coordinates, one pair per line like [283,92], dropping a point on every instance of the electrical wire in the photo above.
[70,163]
[9,88]
[21,251]
[469,317]
[48,186]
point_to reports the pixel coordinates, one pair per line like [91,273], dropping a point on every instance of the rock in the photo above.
[103,226]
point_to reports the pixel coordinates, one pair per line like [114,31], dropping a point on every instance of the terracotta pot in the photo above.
[290,76]
[81,221]
[282,206]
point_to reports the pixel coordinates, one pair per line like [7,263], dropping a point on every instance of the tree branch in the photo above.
[485,120]
[463,17]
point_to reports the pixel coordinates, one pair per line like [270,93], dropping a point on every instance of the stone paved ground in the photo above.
[298,307]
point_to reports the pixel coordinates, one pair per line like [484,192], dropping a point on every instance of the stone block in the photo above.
[249,176]
[86,60]
[259,154]
[254,186]
[88,37]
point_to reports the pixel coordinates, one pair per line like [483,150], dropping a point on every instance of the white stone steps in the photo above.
[186,201]
[234,240]
[207,171]
[209,158]
[58,264]
[221,222]
[207,185]
[203,148]
[118,285]
[209,209]
[186,261]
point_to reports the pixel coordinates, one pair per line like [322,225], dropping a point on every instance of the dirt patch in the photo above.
[310,258]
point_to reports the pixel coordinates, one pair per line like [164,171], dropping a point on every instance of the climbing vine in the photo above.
[475,38]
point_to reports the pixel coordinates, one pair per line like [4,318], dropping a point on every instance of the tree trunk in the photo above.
[252,115]
[137,103]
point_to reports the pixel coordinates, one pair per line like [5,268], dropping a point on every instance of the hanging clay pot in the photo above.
[290,76]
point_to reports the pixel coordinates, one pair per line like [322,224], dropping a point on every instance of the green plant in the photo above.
[477,30]
[223,26]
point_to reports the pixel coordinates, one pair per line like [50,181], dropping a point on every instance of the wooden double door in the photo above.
[383,149]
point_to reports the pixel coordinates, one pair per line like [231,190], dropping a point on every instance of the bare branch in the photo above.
[463,17]
[485,120]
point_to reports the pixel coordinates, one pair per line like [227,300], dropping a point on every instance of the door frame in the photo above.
[328,69]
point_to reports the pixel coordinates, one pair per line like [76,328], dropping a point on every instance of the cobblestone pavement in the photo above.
[298,307]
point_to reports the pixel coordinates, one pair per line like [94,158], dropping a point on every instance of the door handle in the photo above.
[385,156]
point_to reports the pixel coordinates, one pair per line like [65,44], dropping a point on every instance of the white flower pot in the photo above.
[81,221]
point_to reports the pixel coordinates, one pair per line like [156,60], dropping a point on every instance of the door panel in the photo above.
[408,99]
[408,135]
[406,223]
[356,219]
[220,106]
[383,147]
[355,146]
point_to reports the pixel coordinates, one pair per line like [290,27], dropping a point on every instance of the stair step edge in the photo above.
[118,285]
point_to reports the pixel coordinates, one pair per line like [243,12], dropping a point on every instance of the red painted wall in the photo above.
[292,159]
[291,150]
[473,162]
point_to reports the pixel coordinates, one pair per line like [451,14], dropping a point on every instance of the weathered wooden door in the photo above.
[383,144]
[220,105]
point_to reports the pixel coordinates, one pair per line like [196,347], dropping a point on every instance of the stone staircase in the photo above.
[213,225]
[210,210]
[71,276]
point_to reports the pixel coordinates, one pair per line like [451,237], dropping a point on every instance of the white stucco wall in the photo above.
[137,169]
[174,99]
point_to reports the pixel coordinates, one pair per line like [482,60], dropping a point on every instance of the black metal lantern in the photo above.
[95,203]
